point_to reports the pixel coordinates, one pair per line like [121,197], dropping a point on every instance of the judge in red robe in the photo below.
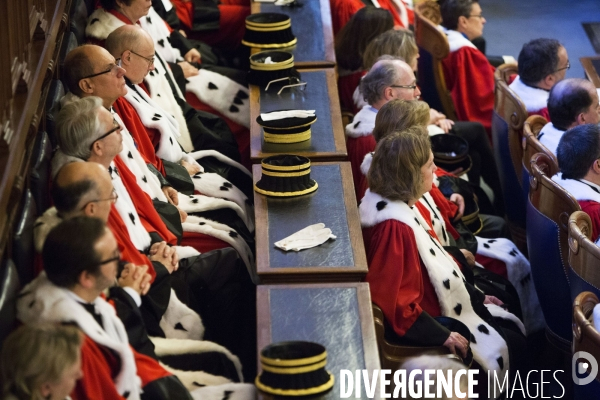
[411,276]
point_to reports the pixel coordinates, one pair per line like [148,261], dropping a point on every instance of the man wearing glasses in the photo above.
[542,64]
[469,75]
[571,102]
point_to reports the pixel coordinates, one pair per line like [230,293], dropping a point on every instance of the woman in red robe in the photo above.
[412,278]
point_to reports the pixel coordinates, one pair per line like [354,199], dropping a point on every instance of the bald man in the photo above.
[214,284]
[572,102]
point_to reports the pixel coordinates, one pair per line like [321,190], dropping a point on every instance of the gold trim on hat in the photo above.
[288,20]
[294,370]
[269,28]
[285,168]
[286,174]
[263,124]
[296,362]
[271,67]
[286,194]
[287,138]
[295,392]
[270,46]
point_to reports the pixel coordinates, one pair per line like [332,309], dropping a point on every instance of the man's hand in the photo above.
[192,169]
[460,203]
[188,69]
[182,214]
[469,256]
[457,344]
[192,56]
[445,124]
[171,195]
[136,277]
[493,300]
[165,255]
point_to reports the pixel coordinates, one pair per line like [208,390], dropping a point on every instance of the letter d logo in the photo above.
[581,367]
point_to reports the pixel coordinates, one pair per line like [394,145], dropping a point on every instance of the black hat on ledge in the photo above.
[269,31]
[294,369]
[285,175]
[286,129]
[451,152]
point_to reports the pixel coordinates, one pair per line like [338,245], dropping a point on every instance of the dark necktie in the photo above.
[92,310]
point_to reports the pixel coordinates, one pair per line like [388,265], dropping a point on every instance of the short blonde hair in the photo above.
[396,43]
[395,171]
[399,115]
[36,354]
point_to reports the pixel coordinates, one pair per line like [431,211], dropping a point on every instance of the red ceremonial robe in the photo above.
[592,209]
[100,367]
[393,7]
[346,86]
[399,282]
[358,148]
[342,11]
[470,79]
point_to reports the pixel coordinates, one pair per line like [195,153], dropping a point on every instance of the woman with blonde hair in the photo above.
[411,276]
[396,43]
[41,362]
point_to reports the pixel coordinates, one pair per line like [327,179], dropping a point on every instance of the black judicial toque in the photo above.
[269,31]
[454,325]
[451,152]
[282,67]
[285,175]
[294,369]
[287,130]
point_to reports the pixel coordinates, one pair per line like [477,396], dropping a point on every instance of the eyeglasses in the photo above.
[480,16]
[113,198]
[412,87]
[149,60]
[563,68]
[116,128]
[114,69]
[116,258]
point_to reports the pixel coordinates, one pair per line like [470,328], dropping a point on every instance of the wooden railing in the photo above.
[31,33]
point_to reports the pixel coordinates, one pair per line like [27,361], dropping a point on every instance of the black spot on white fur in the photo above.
[233,234]
[447,283]
[455,274]
[483,329]
[432,252]
[381,205]
[156,117]
[227,184]
[212,86]
[144,179]
[202,223]
[149,20]
[473,339]
[195,201]
[241,94]
[223,188]
[180,327]
[458,309]
[238,101]
[161,42]
[233,109]
[94,21]
[356,125]
[151,74]
[492,241]
[227,394]
[129,155]
[171,140]
[487,246]
[132,218]
[500,362]
[198,384]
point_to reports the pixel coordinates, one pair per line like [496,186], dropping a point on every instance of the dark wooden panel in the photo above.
[311,24]
[334,205]
[327,142]
[338,316]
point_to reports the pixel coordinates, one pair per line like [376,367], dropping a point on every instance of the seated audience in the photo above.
[112,368]
[578,155]
[174,168]
[394,79]
[412,278]
[468,74]
[40,362]
[496,254]
[350,45]
[542,64]
[572,102]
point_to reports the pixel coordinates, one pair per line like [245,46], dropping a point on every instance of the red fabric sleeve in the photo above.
[396,276]
[143,204]
[148,369]
[357,149]
[493,265]
[185,12]
[391,7]
[592,209]
[346,86]
[447,208]
[128,251]
[99,368]
[139,133]
[201,242]
[543,112]
[342,11]
[470,80]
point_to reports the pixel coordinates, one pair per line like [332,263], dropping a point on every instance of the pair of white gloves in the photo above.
[311,236]
[275,115]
